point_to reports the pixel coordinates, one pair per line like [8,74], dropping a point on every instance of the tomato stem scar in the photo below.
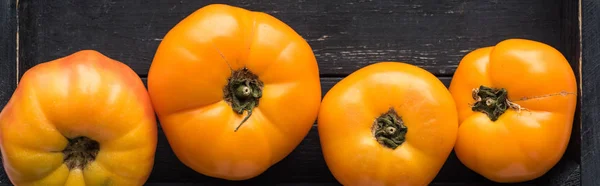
[492,101]
[242,92]
[80,151]
[389,130]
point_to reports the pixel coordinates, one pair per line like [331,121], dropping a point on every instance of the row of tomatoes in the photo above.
[236,91]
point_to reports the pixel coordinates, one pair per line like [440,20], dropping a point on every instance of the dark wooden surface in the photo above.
[8,67]
[8,63]
[345,36]
[590,114]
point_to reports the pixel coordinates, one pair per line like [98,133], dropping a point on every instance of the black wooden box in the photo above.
[345,36]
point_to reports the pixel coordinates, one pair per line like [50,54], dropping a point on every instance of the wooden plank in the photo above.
[590,114]
[321,184]
[8,63]
[8,67]
[345,35]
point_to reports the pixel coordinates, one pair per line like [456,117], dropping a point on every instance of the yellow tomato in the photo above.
[516,102]
[389,123]
[235,91]
[84,119]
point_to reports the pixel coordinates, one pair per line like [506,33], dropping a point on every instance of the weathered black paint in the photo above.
[590,109]
[8,63]
[345,36]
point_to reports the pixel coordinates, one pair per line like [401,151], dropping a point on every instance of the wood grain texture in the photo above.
[590,114]
[8,63]
[345,35]
[8,67]
[326,184]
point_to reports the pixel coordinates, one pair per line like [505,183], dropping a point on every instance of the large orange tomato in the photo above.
[83,119]
[389,123]
[516,102]
[235,90]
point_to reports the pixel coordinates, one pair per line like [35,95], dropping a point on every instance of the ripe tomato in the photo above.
[235,90]
[388,123]
[516,103]
[83,119]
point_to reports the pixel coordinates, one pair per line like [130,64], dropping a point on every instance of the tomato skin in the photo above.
[348,112]
[83,94]
[189,75]
[520,145]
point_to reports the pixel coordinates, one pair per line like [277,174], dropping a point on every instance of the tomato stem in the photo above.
[79,152]
[389,130]
[243,92]
[492,101]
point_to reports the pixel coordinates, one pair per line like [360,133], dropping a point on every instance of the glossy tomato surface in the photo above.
[527,130]
[83,119]
[389,123]
[235,90]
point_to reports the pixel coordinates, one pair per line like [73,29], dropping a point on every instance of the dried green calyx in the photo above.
[492,102]
[389,130]
[242,92]
[80,152]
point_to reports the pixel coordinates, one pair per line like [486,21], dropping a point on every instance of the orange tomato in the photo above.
[235,90]
[389,123]
[516,103]
[77,120]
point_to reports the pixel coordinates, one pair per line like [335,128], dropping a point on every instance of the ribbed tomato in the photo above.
[235,90]
[516,102]
[83,119]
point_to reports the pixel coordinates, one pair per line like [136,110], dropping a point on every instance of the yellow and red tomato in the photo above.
[83,119]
